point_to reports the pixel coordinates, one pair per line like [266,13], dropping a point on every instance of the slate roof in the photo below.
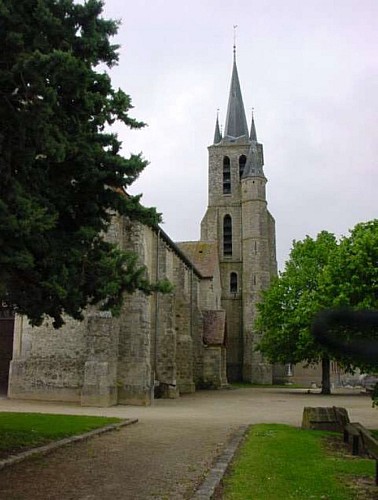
[254,164]
[236,123]
[217,133]
[253,135]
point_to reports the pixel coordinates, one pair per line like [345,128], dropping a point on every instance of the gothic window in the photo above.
[233,282]
[242,162]
[226,175]
[227,235]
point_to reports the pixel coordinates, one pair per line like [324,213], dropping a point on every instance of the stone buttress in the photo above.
[155,348]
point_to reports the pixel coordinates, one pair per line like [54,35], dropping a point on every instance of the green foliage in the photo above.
[278,461]
[351,279]
[62,175]
[320,274]
[24,430]
[289,305]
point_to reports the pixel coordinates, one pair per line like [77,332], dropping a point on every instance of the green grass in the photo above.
[19,431]
[278,461]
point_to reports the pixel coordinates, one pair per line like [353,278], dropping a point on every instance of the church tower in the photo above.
[237,218]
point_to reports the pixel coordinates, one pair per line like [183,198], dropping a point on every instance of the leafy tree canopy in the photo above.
[62,175]
[321,274]
[350,281]
[288,306]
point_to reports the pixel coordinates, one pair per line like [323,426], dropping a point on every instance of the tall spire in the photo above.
[217,134]
[236,123]
[253,135]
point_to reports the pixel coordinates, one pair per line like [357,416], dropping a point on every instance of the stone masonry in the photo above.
[198,336]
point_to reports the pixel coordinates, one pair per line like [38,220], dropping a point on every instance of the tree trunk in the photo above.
[326,375]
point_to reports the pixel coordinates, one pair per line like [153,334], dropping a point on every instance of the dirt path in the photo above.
[166,454]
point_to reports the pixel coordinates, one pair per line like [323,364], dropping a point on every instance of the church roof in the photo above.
[203,254]
[236,123]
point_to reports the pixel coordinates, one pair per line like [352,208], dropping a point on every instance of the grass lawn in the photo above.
[278,461]
[20,431]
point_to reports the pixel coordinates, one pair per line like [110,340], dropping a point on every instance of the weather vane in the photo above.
[235,26]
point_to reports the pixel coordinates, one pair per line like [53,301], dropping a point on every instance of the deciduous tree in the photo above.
[320,275]
[289,305]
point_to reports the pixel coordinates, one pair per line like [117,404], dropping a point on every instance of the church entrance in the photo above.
[6,346]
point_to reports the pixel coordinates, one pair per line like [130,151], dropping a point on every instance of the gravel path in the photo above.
[167,453]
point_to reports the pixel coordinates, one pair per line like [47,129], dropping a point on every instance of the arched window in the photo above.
[226,175]
[233,282]
[227,235]
[242,162]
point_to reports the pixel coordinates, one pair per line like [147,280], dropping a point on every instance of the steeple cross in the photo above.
[235,27]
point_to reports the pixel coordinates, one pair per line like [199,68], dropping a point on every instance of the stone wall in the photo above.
[257,265]
[184,327]
[253,258]
[154,346]
[135,379]
[164,333]
[215,189]
[48,364]
[221,204]
[100,370]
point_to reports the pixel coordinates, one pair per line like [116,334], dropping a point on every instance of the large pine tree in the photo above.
[61,174]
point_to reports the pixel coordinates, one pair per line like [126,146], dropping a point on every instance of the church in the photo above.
[200,335]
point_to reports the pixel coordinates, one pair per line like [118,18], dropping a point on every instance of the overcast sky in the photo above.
[308,68]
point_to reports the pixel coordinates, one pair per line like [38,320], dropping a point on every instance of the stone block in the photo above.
[99,384]
[214,327]
[325,418]
[26,382]
[136,395]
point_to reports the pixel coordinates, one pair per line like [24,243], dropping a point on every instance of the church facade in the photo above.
[199,336]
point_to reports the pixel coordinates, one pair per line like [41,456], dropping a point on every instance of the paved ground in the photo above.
[167,453]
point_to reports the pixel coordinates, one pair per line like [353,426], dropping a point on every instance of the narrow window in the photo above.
[242,162]
[226,175]
[233,282]
[227,235]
